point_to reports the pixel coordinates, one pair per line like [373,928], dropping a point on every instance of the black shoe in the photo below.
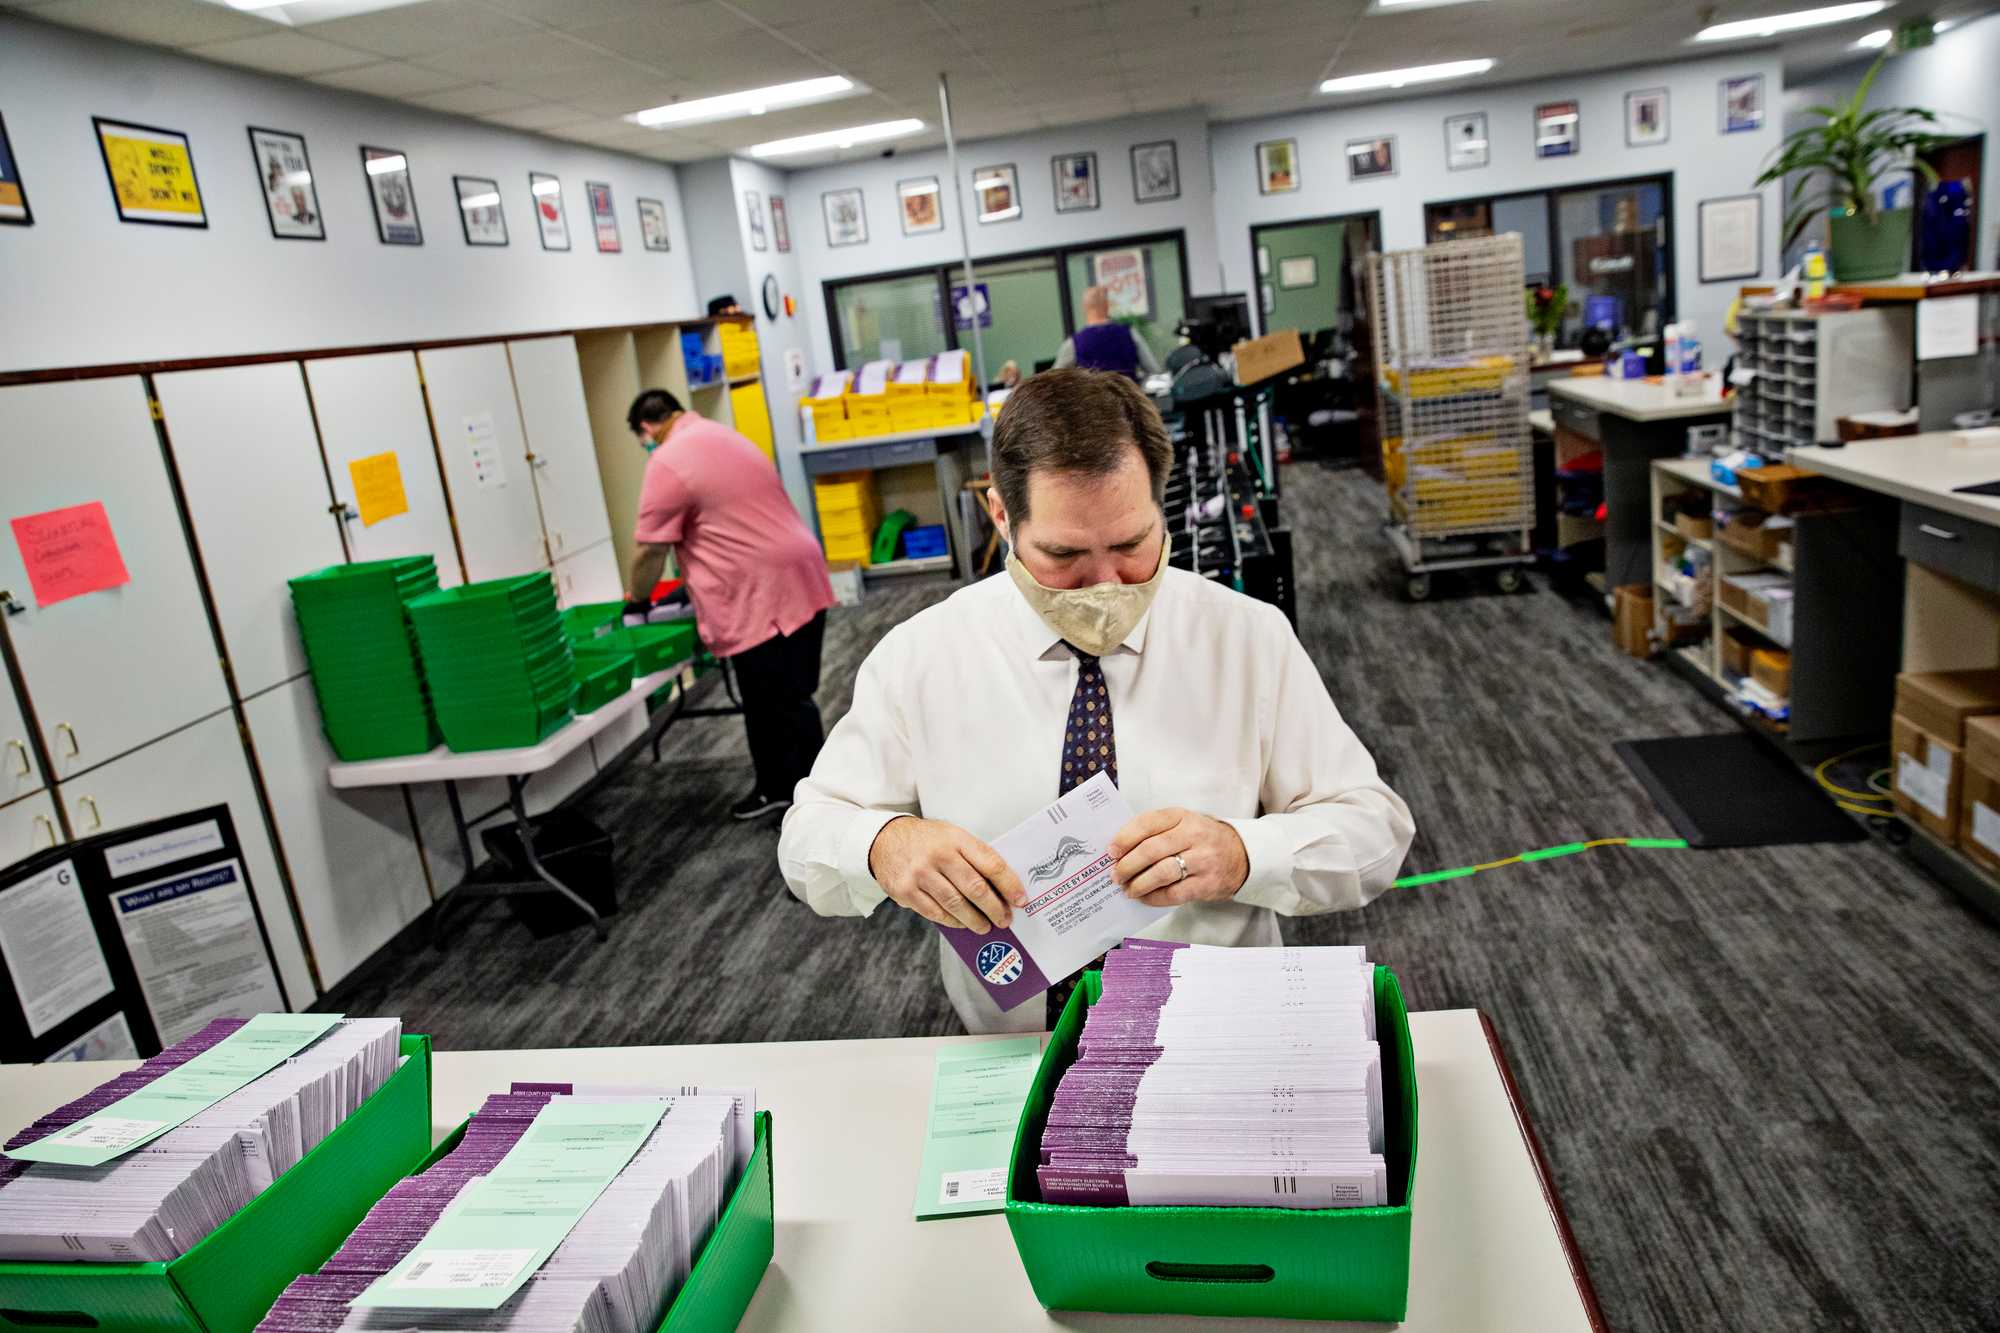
[755,804]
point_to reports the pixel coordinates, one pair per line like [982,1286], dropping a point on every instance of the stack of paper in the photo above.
[142,1169]
[363,657]
[1223,1077]
[496,660]
[560,1208]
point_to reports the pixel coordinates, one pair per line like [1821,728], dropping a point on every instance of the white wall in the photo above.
[1957,76]
[775,336]
[1039,227]
[1704,163]
[83,288]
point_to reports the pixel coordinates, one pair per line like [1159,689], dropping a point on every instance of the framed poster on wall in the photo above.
[753,208]
[550,219]
[291,200]
[653,224]
[1646,118]
[13,195]
[152,174]
[921,210]
[389,191]
[781,226]
[1743,104]
[1557,129]
[998,191]
[1369,158]
[1156,172]
[1278,166]
[479,210]
[1122,275]
[603,217]
[846,222]
[1076,181]
[1466,146]
[1731,237]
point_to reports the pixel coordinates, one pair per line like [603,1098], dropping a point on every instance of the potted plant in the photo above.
[1546,307]
[1839,164]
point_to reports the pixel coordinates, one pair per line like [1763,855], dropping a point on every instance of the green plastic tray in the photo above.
[654,647]
[600,678]
[227,1282]
[1333,1263]
[582,623]
[730,1267]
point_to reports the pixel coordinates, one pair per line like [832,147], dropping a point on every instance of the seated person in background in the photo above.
[1091,655]
[1102,345]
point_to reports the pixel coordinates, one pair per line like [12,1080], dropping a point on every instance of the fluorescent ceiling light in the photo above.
[487,200]
[749,102]
[382,166]
[1875,40]
[1773,24]
[1396,78]
[303,13]
[847,138]
[1402,6]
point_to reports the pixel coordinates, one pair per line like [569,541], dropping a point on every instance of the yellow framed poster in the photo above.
[151,172]
[13,197]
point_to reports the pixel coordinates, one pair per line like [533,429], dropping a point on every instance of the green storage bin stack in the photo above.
[499,666]
[655,647]
[584,623]
[1329,1263]
[363,658]
[603,673]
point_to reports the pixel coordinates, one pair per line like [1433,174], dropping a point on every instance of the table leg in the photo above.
[465,858]
[515,786]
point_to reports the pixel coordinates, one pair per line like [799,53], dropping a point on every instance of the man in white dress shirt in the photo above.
[1093,653]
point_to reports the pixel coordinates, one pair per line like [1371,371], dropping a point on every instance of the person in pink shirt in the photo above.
[756,575]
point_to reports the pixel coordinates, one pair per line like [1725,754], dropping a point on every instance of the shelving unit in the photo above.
[1812,369]
[1846,605]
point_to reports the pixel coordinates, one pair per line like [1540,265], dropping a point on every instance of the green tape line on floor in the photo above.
[1543,854]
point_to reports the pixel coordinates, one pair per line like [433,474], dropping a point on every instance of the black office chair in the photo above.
[1041,366]
[1184,355]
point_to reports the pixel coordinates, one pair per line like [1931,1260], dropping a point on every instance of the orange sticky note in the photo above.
[69,552]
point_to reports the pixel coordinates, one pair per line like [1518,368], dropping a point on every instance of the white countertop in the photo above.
[1923,468]
[894,437]
[847,1134]
[1641,400]
[444,764]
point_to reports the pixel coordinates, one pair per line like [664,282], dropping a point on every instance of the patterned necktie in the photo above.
[1087,742]
[1088,749]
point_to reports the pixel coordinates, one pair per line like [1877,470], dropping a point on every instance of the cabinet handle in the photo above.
[26,768]
[1943,535]
[96,818]
[44,822]
[67,730]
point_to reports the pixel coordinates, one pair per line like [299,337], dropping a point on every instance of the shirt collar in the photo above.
[1043,644]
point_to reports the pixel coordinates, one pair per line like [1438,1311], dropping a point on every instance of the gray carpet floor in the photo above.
[1768,1080]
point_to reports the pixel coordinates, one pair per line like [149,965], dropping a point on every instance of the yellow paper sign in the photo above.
[378,488]
[152,177]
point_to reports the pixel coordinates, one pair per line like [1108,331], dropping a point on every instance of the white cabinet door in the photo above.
[557,421]
[107,671]
[250,467]
[19,773]
[201,766]
[590,575]
[485,460]
[28,826]
[369,406]
[353,854]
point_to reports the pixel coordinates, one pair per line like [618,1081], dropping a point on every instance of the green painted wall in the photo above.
[1305,308]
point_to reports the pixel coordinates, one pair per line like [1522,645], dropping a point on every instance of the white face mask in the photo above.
[1093,620]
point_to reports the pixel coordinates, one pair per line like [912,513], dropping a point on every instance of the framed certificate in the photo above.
[1731,237]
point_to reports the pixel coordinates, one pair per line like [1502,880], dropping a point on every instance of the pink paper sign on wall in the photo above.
[69,552]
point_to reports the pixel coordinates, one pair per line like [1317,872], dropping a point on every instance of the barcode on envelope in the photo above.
[951,1189]
[417,1270]
[1284,1184]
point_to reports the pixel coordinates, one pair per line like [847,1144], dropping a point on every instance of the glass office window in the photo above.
[898,318]
[1025,296]
[1158,264]
[1615,245]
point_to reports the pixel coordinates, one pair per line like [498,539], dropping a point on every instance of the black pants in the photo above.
[777,679]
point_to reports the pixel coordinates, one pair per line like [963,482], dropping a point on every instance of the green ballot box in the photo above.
[731,1265]
[1332,1263]
[227,1282]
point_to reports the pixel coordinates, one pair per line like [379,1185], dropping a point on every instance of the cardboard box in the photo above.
[1765,600]
[1260,358]
[1926,775]
[1748,532]
[1632,619]
[1772,668]
[1941,701]
[1982,742]
[1979,817]
[1698,526]
[1737,645]
[1327,1263]
[230,1277]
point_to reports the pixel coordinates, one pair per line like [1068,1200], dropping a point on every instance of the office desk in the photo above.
[1490,1251]
[1633,422]
[937,446]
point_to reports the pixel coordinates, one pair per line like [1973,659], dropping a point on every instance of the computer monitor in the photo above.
[1218,323]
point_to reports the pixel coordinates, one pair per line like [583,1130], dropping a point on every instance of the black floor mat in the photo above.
[1735,791]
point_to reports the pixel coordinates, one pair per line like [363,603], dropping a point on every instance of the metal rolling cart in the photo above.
[1453,388]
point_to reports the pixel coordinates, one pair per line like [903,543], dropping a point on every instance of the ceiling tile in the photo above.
[282,52]
[474,100]
[668,35]
[418,30]
[543,116]
[390,78]
[535,52]
[161,22]
[579,13]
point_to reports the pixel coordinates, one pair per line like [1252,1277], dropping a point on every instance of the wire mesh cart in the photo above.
[1452,385]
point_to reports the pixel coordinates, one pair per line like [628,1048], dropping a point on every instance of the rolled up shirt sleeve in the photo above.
[862,779]
[1333,834]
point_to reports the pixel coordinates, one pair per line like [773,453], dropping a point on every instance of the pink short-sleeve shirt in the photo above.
[753,568]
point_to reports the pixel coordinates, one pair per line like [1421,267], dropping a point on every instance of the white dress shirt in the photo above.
[959,712]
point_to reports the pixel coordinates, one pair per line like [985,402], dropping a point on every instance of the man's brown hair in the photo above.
[1075,420]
